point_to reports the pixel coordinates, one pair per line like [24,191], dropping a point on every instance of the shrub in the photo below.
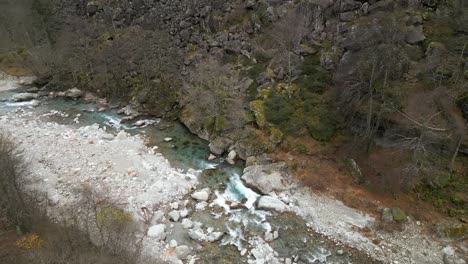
[30,242]
[304,111]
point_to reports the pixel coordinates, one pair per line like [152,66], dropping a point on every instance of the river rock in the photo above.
[182,251]
[157,232]
[173,243]
[198,235]
[266,178]
[174,216]
[35,103]
[21,97]
[74,93]
[231,156]
[212,157]
[271,203]
[201,195]
[187,223]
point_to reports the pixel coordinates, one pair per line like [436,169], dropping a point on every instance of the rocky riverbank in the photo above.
[182,220]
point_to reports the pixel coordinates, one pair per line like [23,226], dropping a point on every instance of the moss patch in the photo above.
[258,109]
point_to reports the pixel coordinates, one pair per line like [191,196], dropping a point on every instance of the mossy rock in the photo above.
[452,230]
[276,136]
[270,73]
[258,108]
[398,214]
[220,123]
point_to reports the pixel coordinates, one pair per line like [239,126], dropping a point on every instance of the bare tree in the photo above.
[288,34]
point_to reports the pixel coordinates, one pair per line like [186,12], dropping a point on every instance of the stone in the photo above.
[347,16]
[157,232]
[364,10]
[174,205]
[202,195]
[329,60]
[269,237]
[168,139]
[182,251]
[231,156]
[21,97]
[174,216]
[92,8]
[35,103]
[349,5]
[187,223]
[74,93]
[184,213]
[271,203]
[415,35]
[211,157]
[198,235]
[450,256]
[340,252]
[219,145]
[233,46]
[266,178]
[172,243]
[398,214]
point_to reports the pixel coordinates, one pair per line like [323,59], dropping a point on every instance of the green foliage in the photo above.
[314,77]
[258,108]
[112,216]
[445,191]
[304,111]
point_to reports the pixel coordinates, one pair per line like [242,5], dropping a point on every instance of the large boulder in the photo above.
[20,97]
[266,178]
[219,145]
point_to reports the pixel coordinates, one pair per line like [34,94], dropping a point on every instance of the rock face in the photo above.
[24,97]
[266,178]
[271,203]
[157,232]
